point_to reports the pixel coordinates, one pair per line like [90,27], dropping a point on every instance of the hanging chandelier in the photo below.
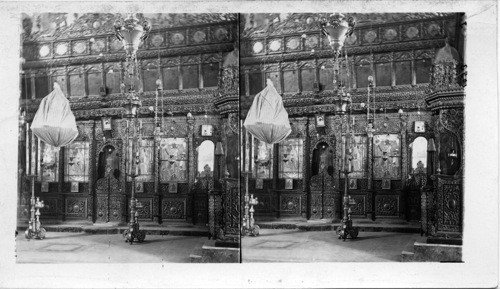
[336,27]
[131,34]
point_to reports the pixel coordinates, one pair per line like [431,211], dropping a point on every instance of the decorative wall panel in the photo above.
[76,207]
[173,208]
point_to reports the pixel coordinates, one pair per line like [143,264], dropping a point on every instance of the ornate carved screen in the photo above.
[173,160]
[386,156]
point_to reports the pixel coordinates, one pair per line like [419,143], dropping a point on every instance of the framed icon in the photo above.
[139,187]
[419,126]
[206,130]
[172,188]
[45,187]
[353,184]
[106,123]
[386,184]
[289,184]
[74,187]
[320,120]
[259,184]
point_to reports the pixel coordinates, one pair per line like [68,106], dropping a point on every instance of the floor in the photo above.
[65,247]
[273,245]
[278,245]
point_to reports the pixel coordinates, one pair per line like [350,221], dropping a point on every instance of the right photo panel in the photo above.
[352,137]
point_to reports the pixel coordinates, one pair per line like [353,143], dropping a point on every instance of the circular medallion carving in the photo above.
[370,36]
[351,39]
[79,47]
[257,47]
[199,36]
[221,34]
[116,45]
[76,207]
[390,34]
[96,24]
[411,32]
[433,29]
[275,45]
[61,48]
[312,42]
[177,38]
[98,45]
[292,44]
[44,51]
[157,40]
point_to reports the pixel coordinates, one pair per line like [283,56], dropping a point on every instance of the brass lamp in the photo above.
[337,28]
[131,33]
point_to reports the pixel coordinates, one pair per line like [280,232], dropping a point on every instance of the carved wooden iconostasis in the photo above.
[299,178]
[87,181]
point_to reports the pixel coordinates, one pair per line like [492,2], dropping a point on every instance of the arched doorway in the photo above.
[322,205]
[109,206]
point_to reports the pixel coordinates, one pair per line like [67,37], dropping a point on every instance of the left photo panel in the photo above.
[128,138]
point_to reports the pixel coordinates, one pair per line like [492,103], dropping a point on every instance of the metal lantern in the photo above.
[337,28]
[131,107]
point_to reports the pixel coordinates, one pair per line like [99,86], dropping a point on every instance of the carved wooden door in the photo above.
[109,204]
[322,205]
[322,197]
[108,189]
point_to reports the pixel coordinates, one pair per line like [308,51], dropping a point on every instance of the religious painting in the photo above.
[173,157]
[359,154]
[45,187]
[206,130]
[48,162]
[320,120]
[386,184]
[77,162]
[146,163]
[74,187]
[263,159]
[259,184]
[291,155]
[106,123]
[172,188]
[139,187]
[353,184]
[419,126]
[289,184]
[387,156]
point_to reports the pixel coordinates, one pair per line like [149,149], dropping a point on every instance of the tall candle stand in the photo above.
[35,229]
[249,228]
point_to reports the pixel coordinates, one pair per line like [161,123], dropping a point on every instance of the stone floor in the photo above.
[278,245]
[67,247]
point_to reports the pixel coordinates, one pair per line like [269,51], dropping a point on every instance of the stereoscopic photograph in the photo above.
[295,140]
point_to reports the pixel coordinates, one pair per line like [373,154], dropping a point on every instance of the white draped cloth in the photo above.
[267,118]
[54,123]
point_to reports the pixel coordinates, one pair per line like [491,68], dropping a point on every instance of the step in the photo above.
[363,226]
[108,230]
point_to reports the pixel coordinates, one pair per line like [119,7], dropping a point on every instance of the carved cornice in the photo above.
[356,50]
[273,24]
[56,26]
[141,54]
[445,99]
